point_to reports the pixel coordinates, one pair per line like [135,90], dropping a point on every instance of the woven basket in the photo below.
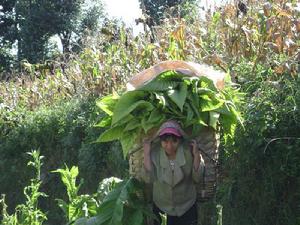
[207,139]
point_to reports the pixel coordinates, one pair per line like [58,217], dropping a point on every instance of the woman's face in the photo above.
[169,143]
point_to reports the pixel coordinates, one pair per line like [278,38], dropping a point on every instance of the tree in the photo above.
[30,24]
[7,32]
[80,20]
[155,10]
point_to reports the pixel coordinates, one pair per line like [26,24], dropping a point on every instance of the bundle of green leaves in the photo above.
[195,102]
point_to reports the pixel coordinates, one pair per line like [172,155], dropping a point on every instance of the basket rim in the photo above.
[184,67]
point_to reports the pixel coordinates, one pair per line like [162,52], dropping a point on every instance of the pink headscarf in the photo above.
[171,127]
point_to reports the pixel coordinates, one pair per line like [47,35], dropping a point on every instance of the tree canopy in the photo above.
[30,23]
[155,10]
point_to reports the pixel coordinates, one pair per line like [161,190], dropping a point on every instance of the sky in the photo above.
[129,10]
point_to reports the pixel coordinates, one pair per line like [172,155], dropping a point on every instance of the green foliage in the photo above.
[77,205]
[262,166]
[157,10]
[33,23]
[261,172]
[122,205]
[7,34]
[194,101]
[28,213]
[65,133]
[115,202]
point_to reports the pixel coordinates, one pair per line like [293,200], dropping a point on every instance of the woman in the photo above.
[174,167]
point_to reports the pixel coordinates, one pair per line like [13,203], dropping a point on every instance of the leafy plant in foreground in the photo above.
[78,205]
[116,201]
[28,213]
[123,205]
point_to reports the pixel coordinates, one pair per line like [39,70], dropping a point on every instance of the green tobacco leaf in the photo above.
[133,124]
[154,120]
[155,116]
[119,205]
[111,211]
[179,96]
[147,125]
[213,119]
[189,114]
[193,100]
[105,122]
[207,83]
[224,109]
[107,103]
[136,218]
[228,124]
[111,134]
[203,118]
[128,140]
[158,85]
[161,98]
[105,212]
[172,75]
[127,103]
[209,103]
[235,113]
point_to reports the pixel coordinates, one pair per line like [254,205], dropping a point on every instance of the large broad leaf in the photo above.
[235,113]
[153,120]
[136,218]
[205,82]
[213,119]
[159,85]
[105,122]
[210,103]
[111,134]
[119,204]
[110,212]
[179,95]
[106,186]
[172,75]
[224,109]
[105,213]
[104,216]
[189,113]
[107,103]
[129,102]
[133,124]
[128,140]
[155,116]
[203,118]
[194,102]
[228,124]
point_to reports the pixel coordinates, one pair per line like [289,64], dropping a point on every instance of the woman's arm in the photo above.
[197,157]
[147,157]
[198,163]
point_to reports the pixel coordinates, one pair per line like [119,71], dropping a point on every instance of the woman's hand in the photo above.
[194,146]
[147,146]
